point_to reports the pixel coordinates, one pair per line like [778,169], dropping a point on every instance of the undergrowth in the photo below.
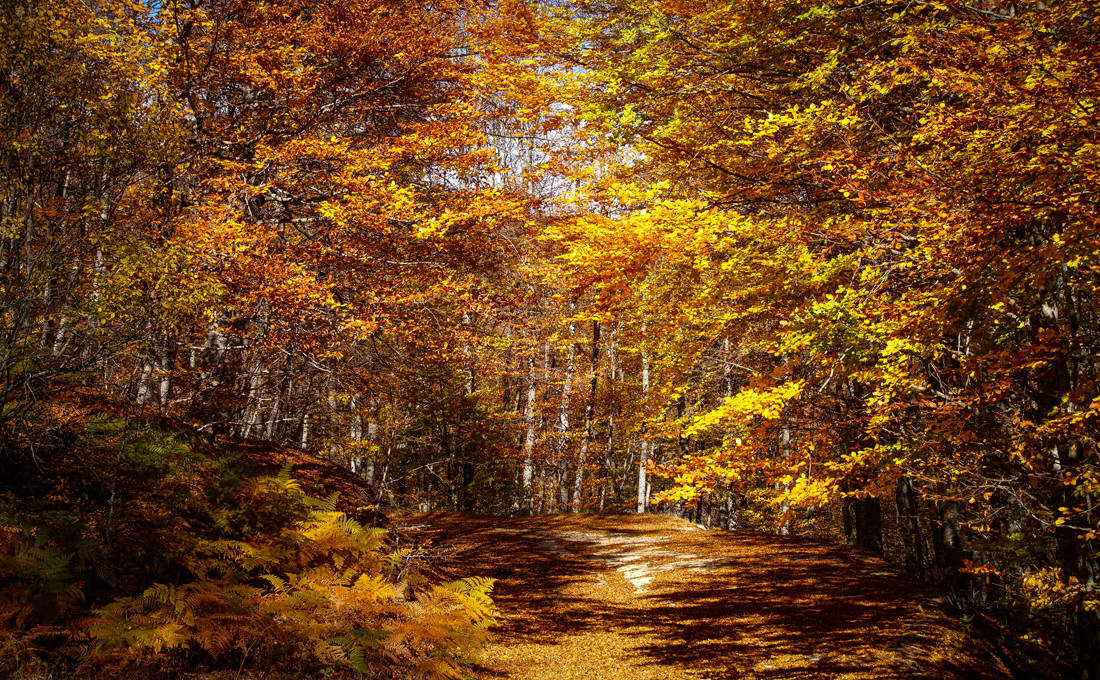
[126,550]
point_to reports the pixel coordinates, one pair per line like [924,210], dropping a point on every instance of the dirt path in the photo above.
[654,598]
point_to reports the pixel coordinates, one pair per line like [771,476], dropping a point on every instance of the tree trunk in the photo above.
[863,522]
[372,436]
[946,550]
[303,440]
[909,526]
[784,528]
[589,414]
[167,360]
[610,469]
[643,462]
[530,421]
[145,380]
[559,490]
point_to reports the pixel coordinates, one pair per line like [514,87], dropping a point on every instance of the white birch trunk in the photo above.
[589,414]
[145,380]
[727,369]
[563,418]
[355,434]
[334,421]
[784,528]
[468,353]
[164,389]
[372,435]
[273,416]
[530,420]
[643,462]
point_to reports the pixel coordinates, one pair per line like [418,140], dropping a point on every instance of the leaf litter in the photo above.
[644,597]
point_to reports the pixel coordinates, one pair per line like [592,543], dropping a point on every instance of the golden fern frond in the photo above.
[370,538]
[207,600]
[226,548]
[285,482]
[397,558]
[284,472]
[396,642]
[168,635]
[160,594]
[438,667]
[279,585]
[318,578]
[473,594]
[244,556]
[217,634]
[321,523]
[372,588]
[348,576]
[263,557]
[349,525]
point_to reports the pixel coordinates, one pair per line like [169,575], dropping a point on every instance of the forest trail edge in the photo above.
[642,597]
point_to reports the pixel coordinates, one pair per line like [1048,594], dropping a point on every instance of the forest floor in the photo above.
[642,597]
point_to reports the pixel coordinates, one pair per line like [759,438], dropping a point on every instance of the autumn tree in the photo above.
[783,265]
[86,124]
[862,239]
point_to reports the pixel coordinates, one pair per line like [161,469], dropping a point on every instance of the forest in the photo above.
[276,273]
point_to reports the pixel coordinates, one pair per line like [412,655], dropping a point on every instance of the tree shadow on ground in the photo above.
[770,607]
[534,571]
[819,613]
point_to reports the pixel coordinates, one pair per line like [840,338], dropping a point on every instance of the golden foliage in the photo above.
[322,588]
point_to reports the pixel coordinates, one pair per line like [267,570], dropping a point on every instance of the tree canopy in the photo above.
[821,267]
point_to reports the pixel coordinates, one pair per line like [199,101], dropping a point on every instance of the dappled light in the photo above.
[540,339]
[761,607]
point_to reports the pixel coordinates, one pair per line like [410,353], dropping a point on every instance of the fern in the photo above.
[44,569]
[212,615]
[373,588]
[397,562]
[284,477]
[278,585]
[326,504]
[439,667]
[36,584]
[322,586]
[473,594]
[357,659]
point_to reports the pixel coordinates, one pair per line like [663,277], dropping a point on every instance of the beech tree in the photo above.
[885,211]
[802,266]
